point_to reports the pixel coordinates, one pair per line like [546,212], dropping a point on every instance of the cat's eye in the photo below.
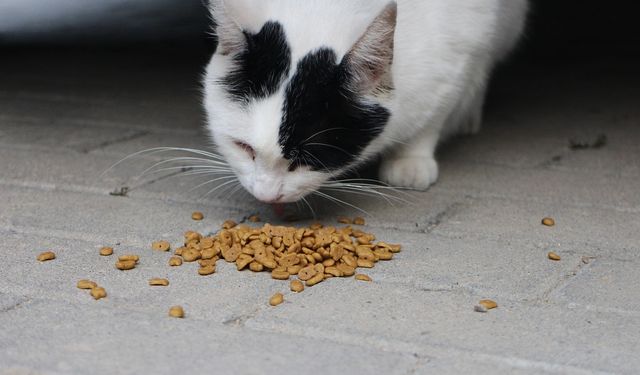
[248,149]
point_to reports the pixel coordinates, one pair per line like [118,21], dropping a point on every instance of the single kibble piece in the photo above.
[296,286]
[207,270]
[280,275]
[86,284]
[254,218]
[548,222]
[98,293]
[277,299]
[358,221]
[106,251]
[47,255]
[191,255]
[364,263]
[127,258]
[125,265]
[176,312]
[362,277]
[175,261]
[344,220]
[197,216]
[553,256]
[229,224]
[488,304]
[161,245]
[159,282]
[316,279]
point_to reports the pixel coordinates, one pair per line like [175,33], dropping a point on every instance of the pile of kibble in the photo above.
[307,255]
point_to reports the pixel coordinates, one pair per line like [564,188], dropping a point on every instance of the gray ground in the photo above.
[476,234]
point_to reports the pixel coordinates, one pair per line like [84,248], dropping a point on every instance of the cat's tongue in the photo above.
[278,209]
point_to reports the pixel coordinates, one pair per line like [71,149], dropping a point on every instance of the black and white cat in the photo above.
[299,92]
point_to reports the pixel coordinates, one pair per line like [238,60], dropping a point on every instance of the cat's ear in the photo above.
[369,60]
[229,33]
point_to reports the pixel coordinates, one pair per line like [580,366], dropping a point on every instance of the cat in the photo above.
[300,92]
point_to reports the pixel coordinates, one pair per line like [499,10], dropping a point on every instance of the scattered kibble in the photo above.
[161,246]
[276,299]
[159,282]
[98,293]
[47,255]
[304,255]
[197,216]
[106,251]
[488,304]
[86,284]
[359,221]
[176,312]
[254,218]
[553,256]
[548,222]
[362,277]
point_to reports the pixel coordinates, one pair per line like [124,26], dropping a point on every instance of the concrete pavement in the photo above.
[476,234]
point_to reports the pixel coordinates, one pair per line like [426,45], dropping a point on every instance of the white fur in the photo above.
[444,53]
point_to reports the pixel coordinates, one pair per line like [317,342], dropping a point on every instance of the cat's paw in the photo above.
[410,172]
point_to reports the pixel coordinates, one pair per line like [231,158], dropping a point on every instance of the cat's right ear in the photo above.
[231,39]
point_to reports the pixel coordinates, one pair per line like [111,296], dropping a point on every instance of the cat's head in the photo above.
[291,103]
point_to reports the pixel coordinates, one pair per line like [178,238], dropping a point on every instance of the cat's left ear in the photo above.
[370,59]
[230,36]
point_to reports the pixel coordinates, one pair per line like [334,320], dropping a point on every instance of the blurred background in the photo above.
[557,28]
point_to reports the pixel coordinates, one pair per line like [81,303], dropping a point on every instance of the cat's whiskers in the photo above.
[339,201]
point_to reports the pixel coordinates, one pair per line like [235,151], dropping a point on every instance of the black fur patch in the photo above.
[262,66]
[325,126]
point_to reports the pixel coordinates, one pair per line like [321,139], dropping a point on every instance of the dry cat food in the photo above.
[485,305]
[358,221]
[86,284]
[254,218]
[106,251]
[548,222]
[47,255]
[344,220]
[98,292]
[161,246]
[362,277]
[310,254]
[127,262]
[176,312]
[553,256]
[197,216]
[159,282]
[276,299]
[175,261]
[296,286]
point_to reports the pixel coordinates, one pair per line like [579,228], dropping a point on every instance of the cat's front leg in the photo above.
[412,165]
